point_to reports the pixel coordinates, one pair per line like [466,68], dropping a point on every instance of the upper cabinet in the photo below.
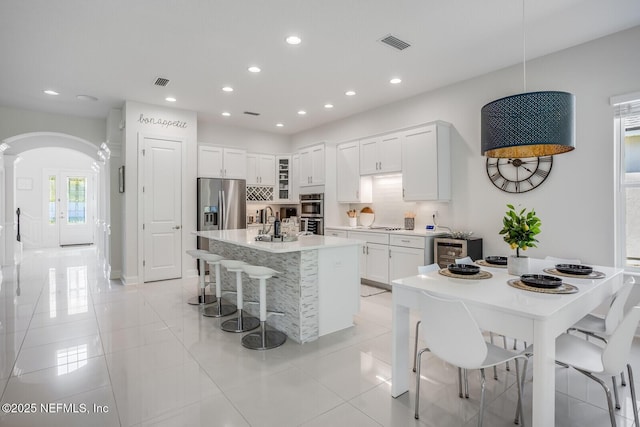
[312,164]
[283,192]
[381,154]
[261,169]
[295,178]
[426,163]
[351,188]
[220,162]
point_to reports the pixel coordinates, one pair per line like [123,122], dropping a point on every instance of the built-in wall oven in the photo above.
[312,213]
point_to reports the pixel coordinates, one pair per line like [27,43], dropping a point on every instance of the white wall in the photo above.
[32,202]
[575,203]
[134,131]
[250,140]
[14,121]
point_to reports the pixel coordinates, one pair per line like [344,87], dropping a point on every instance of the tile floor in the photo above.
[101,354]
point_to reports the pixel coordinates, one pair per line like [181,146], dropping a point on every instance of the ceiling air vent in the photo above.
[251,113]
[395,42]
[161,81]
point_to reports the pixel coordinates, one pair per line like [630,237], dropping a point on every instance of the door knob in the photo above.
[177,227]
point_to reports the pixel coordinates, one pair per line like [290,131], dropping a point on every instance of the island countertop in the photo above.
[246,238]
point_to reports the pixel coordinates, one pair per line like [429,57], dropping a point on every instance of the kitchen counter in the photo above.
[317,289]
[247,237]
[416,232]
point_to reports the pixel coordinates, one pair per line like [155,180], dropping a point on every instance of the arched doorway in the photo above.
[12,148]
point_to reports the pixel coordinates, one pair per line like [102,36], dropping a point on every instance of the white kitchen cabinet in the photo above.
[406,254]
[220,162]
[426,163]
[381,154]
[374,257]
[377,262]
[312,165]
[295,178]
[282,192]
[335,233]
[350,186]
[261,169]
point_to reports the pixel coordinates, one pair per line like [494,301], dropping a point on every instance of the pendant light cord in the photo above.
[524,51]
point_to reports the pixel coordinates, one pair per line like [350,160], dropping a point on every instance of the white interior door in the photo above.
[162,206]
[76,208]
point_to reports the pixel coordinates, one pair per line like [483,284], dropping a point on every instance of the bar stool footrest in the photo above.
[241,323]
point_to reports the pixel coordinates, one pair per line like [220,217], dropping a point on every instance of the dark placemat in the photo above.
[482,275]
[565,288]
[488,264]
[592,275]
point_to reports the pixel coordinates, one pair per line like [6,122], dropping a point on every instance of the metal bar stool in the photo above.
[263,339]
[242,323]
[201,296]
[220,308]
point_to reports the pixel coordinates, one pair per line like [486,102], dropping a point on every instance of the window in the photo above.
[627,117]
[76,200]
[52,199]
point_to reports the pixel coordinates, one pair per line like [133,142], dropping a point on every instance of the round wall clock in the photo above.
[518,175]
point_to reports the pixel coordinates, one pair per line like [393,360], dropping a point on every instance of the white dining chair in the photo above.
[590,359]
[468,260]
[422,269]
[465,260]
[458,340]
[603,327]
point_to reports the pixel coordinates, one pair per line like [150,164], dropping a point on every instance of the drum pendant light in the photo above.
[530,124]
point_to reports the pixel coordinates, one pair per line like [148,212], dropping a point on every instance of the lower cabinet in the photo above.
[404,262]
[385,257]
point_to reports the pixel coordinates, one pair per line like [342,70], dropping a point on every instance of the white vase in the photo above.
[517,266]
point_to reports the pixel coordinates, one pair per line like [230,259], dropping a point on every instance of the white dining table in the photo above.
[537,318]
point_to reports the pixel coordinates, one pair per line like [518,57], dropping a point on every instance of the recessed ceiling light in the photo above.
[51,92]
[327,106]
[226,113]
[254,69]
[293,40]
[170,99]
[86,98]
[302,112]
[227,89]
[279,125]
[350,92]
[395,81]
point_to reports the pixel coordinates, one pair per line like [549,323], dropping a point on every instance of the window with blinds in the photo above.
[627,118]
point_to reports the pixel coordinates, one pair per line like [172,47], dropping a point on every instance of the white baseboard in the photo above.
[130,280]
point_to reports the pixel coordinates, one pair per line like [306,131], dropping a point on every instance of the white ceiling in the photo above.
[115,49]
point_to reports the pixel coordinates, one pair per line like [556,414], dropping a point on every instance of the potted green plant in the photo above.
[519,230]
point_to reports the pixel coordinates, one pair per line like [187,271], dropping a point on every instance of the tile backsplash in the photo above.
[389,207]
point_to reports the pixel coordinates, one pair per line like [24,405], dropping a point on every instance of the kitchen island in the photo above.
[318,291]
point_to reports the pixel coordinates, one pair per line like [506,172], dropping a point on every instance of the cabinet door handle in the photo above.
[363,253]
[357,194]
[389,253]
[220,172]
[406,241]
[367,250]
[225,172]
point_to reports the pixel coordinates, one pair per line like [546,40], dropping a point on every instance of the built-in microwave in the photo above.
[312,205]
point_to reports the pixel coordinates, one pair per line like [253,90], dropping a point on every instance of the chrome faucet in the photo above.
[266,220]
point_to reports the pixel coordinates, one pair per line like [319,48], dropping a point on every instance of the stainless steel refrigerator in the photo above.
[222,205]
